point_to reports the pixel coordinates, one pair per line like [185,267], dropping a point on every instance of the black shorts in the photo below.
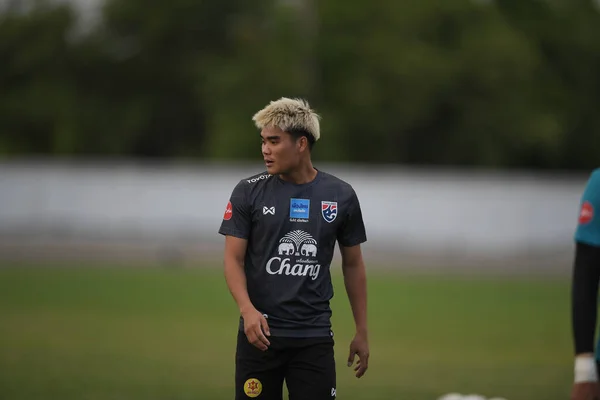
[306,364]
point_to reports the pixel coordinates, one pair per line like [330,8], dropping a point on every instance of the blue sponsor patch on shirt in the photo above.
[299,208]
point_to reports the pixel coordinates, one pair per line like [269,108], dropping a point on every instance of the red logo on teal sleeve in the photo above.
[587,213]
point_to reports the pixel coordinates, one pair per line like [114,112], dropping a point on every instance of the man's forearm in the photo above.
[236,282]
[355,280]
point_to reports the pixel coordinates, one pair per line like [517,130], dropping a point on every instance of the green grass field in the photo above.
[162,334]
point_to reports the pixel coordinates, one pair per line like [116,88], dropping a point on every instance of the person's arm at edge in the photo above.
[584,295]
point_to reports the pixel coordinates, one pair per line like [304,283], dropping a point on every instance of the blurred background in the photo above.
[467,127]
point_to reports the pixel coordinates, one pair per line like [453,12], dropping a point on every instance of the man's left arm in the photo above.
[355,281]
[351,235]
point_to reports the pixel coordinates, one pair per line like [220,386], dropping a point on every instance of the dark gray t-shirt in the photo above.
[292,232]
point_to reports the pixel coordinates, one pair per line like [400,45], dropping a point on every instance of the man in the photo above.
[584,292]
[281,228]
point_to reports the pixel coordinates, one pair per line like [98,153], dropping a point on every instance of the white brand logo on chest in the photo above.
[268,210]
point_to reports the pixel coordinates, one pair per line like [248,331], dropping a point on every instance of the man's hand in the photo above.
[585,391]
[255,328]
[360,346]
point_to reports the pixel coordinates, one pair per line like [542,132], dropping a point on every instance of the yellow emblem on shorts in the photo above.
[252,387]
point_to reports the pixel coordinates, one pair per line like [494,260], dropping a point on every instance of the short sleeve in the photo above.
[588,224]
[352,230]
[237,217]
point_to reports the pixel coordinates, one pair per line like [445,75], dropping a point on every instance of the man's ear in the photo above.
[302,143]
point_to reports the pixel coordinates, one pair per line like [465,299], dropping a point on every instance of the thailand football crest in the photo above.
[329,210]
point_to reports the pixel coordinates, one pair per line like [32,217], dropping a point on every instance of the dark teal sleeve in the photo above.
[588,225]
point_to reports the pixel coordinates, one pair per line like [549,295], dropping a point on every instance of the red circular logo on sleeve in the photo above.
[587,213]
[228,212]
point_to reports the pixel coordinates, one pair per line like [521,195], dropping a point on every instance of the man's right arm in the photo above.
[255,324]
[236,228]
[235,250]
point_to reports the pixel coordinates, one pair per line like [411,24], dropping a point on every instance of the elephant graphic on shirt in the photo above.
[308,249]
[286,248]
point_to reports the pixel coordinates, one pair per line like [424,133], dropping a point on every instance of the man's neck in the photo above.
[305,174]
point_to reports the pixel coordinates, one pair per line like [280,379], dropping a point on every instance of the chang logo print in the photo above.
[296,251]
[297,243]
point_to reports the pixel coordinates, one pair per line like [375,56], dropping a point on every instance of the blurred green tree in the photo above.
[431,83]
[565,33]
[456,82]
[35,81]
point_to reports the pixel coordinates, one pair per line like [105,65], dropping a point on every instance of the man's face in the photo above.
[281,152]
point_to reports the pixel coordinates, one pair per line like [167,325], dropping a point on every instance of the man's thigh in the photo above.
[310,373]
[258,374]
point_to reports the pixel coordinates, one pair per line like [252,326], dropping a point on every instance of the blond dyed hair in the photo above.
[289,114]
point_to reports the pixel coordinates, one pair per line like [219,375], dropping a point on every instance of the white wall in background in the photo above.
[442,211]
